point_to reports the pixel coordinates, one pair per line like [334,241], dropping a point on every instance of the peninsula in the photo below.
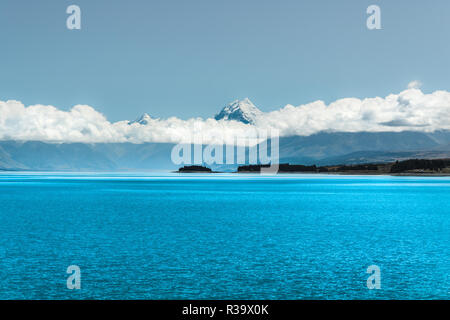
[406,167]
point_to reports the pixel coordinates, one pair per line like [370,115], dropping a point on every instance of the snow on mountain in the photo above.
[143,120]
[240,110]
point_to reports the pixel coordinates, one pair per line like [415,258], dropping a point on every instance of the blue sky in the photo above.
[189,58]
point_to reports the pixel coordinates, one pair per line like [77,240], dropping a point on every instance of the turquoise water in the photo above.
[166,236]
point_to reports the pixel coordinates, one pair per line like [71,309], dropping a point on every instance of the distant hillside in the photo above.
[34,155]
[326,145]
[382,157]
[320,149]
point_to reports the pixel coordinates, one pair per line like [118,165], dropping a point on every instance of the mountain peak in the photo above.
[240,110]
[143,120]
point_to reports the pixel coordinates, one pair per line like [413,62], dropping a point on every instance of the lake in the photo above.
[223,236]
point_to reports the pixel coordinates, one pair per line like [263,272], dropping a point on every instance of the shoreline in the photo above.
[410,167]
[412,174]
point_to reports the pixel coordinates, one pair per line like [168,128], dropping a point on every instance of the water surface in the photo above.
[223,236]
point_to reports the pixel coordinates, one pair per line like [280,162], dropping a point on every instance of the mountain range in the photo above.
[324,148]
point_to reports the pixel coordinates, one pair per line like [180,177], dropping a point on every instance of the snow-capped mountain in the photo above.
[240,110]
[143,120]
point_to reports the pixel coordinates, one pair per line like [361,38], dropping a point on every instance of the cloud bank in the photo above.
[410,110]
[416,84]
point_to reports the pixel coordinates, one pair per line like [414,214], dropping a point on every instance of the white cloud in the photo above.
[416,84]
[408,110]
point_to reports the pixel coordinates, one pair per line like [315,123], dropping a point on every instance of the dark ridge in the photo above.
[187,169]
[284,167]
[420,164]
[360,167]
[398,167]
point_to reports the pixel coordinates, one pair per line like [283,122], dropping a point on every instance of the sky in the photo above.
[190,58]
